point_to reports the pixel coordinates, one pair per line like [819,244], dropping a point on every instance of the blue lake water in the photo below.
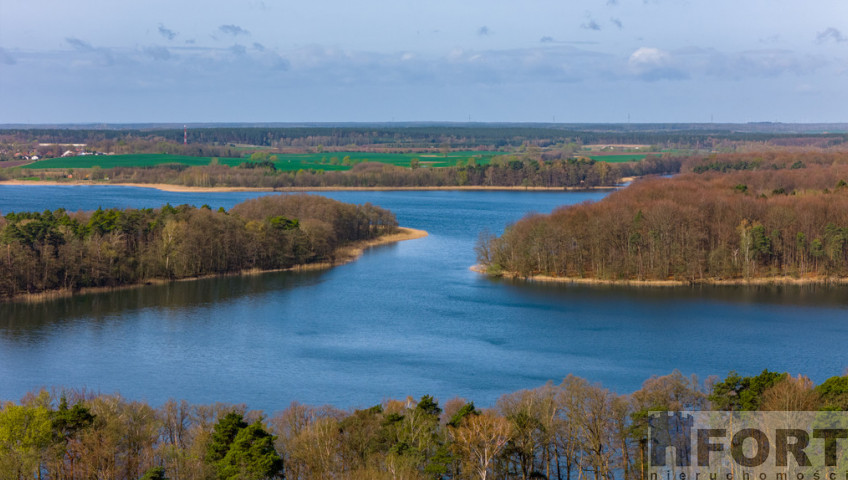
[405,319]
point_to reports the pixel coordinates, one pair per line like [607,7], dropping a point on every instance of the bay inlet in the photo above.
[404,319]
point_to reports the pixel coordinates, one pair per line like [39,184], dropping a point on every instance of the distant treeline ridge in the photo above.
[460,136]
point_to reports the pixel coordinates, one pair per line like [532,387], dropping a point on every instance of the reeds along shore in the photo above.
[57,251]
[760,281]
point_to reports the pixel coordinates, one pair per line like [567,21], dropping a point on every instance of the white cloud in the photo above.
[654,64]
[551,62]
[529,51]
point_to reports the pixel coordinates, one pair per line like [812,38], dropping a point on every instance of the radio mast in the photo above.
[185,135]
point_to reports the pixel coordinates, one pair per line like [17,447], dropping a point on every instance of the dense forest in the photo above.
[567,431]
[107,248]
[734,217]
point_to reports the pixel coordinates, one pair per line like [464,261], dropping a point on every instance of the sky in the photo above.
[607,61]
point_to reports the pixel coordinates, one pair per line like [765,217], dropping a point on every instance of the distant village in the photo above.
[72,150]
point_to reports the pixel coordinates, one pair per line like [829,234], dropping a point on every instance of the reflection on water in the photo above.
[21,319]
[405,319]
[817,295]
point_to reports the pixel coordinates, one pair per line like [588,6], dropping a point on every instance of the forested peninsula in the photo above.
[567,431]
[735,218]
[60,251]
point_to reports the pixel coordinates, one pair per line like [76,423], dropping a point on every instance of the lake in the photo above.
[405,319]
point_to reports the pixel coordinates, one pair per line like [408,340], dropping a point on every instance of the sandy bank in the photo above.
[352,252]
[344,255]
[758,281]
[158,186]
[182,188]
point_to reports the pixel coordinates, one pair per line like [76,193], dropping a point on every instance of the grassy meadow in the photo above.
[618,158]
[285,162]
[132,160]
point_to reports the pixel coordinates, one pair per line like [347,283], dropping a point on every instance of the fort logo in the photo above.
[690,445]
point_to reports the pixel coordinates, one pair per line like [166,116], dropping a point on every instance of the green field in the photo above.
[628,157]
[287,162]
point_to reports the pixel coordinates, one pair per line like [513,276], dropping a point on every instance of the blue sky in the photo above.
[73,61]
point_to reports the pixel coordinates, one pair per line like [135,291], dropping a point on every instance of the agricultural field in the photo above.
[434,160]
[618,158]
[286,162]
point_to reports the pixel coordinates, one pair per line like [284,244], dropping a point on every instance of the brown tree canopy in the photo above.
[568,431]
[763,221]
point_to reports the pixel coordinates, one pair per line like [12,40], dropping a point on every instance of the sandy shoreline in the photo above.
[344,255]
[352,252]
[759,281]
[167,187]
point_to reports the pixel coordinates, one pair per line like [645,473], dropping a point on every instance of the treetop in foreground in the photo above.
[569,430]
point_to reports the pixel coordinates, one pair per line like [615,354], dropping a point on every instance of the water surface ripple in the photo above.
[405,319]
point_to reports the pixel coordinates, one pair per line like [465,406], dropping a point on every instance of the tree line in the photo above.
[52,250]
[777,159]
[567,431]
[504,171]
[769,221]
[426,137]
